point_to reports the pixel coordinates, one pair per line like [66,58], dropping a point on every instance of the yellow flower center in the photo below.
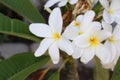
[111,40]
[93,41]
[110,11]
[76,24]
[56,36]
[79,33]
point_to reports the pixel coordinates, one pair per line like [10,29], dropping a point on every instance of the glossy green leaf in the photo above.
[116,74]
[97,8]
[99,72]
[15,27]
[20,66]
[55,76]
[25,9]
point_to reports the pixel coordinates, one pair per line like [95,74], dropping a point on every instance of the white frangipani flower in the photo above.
[79,27]
[90,44]
[113,42]
[111,12]
[53,39]
[60,2]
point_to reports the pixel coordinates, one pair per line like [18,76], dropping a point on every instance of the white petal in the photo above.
[54,53]
[116,32]
[108,18]
[71,32]
[117,45]
[115,4]
[117,19]
[77,52]
[88,16]
[103,35]
[107,26]
[116,58]
[66,46]
[87,55]
[45,43]
[111,48]
[73,1]
[109,66]
[104,3]
[80,18]
[92,28]
[55,20]
[82,41]
[62,3]
[51,3]
[40,30]
[103,54]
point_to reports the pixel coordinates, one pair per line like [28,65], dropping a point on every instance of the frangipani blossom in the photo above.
[60,2]
[53,40]
[78,27]
[90,45]
[111,12]
[113,42]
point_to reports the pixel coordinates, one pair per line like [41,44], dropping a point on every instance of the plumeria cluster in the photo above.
[84,37]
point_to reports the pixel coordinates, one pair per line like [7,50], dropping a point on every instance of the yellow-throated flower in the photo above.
[111,12]
[113,42]
[53,40]
[90,44]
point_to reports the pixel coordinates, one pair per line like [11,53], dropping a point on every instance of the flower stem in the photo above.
[71,68]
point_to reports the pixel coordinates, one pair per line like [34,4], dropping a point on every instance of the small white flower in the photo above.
[90,44]
[60,2]
[113,42]
[78,27]
[53,38]
[111,12]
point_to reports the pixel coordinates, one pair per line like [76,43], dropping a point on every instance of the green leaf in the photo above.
[97,8]
[55,76]
[116,74]
[99,72]
[20,66]
[15,27]
[25,9]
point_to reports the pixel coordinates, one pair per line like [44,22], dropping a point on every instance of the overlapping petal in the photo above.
[82,41]
[71,32]
[116,32]
[103,35]
[66,46]
[87,55]
[77,52]
[103,54]
[54,53]
[107,26]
